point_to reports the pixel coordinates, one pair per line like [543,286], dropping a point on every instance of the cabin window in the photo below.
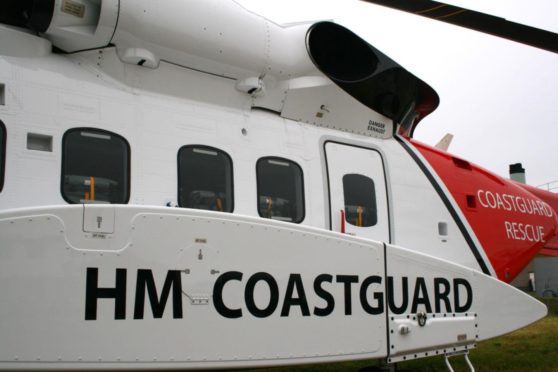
[280,189]
[2,153]
[95,167]
[205,179]
[360,200]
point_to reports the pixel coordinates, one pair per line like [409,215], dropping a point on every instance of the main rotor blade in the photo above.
[476,21]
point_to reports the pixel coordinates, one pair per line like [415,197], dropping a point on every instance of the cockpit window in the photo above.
[2,153]
[360,200]
[95,167]
[280,189]
[205,179]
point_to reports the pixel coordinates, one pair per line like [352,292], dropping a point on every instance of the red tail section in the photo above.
[512,222]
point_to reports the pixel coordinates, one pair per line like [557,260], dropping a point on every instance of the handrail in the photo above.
[549,186]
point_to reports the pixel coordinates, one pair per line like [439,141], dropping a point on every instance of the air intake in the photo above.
[367,74]
[340,54]
[35,15]
[70,25]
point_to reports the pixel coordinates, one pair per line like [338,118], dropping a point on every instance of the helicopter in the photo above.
[188,185]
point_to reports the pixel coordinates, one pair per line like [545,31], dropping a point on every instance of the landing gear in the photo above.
[466,356]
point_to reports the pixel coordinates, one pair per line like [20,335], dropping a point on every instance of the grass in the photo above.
[533,348]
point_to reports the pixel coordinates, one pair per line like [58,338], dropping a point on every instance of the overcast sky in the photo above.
[498,98]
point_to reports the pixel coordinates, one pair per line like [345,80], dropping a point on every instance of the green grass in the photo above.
[534,348]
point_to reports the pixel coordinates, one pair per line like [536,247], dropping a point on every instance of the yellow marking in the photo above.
[452,14]
[359,216]
[431,9]
[92,187]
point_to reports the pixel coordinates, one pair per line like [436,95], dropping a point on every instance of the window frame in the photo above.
[208,148]
[100,131]
[3,140]
[302,197]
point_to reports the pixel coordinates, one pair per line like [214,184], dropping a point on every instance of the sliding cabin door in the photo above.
[357,191]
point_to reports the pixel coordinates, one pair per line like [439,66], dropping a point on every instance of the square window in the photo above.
[95,167]
[280,189]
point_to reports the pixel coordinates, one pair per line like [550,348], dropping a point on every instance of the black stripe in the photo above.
[449,206]
[116,24]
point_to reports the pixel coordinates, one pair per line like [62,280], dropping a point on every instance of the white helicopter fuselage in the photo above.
[227,276]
